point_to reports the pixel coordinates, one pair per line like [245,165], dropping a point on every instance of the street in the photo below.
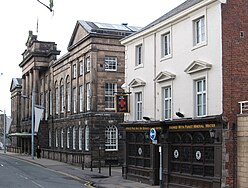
[18,173]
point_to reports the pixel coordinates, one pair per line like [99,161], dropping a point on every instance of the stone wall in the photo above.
[242,149]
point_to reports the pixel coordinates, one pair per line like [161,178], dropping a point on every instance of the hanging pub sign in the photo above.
[122,103]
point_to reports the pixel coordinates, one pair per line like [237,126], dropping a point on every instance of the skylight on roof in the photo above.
[111,26]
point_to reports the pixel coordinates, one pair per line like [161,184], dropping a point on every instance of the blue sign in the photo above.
[152,134]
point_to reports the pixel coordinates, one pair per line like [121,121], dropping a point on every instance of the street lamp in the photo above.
[32,123]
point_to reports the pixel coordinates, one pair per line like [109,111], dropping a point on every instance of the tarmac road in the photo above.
[22,174]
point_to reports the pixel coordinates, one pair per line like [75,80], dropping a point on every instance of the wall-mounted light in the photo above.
[147,136]
[179,114]
[146,118]
[212,133]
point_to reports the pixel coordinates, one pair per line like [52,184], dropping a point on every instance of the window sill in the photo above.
[108,70]
[109,109]
[196,46]
[165,57]
[111,149]
[139,66]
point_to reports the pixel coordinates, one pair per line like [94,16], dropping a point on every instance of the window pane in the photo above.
[138,99]
[201,97]
[110,63]
[110,90]
[111,138]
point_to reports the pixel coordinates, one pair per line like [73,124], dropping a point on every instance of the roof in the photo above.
[101,29]
[185,5]
[97,27]
[15,83]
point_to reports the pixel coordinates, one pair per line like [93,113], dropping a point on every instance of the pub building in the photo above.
[185,73]
[191,152]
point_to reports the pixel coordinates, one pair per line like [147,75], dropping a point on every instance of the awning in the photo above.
[23,134]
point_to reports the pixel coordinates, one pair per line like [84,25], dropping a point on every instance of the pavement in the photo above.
[93,178]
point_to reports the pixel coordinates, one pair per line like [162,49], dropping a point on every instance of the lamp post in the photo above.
[32,122]
[32,126]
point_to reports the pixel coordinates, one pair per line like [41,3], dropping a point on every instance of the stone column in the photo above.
[23,101]
[27,94]
[36,84]
[30,85]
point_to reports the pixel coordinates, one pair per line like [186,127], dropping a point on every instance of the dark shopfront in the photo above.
[191,150]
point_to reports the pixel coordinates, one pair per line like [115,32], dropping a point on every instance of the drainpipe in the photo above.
[154,76]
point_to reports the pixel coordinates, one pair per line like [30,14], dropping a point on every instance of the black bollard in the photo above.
[82,165]
[91,168]
[110,169]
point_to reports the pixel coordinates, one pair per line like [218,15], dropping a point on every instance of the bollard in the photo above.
[91,169]
[109,169]
[82,165]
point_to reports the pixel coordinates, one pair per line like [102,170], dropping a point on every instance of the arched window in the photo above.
[62,138]
[74,137]
[80,138]
[50,137]
[62,96]
[56,138]
[111,135]
[68,94]
[87,138]
[68,137]
[56,98]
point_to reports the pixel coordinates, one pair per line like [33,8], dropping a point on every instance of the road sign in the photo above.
[152,134]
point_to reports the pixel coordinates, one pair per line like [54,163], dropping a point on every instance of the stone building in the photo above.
[77,92]
[1,128]
[186,73]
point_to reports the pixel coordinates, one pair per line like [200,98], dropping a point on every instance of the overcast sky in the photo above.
[19,16]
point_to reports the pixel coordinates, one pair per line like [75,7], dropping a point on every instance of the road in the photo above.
[18,173]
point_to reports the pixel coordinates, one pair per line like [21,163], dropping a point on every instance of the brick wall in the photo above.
[235,85]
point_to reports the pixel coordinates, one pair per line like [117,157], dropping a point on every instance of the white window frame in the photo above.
[88,64]
[86,138]
[62,98]
[50,138]
[62,138]
[74,100]
[51,101]
[111,135]
[199,31]
[88,97]
[74,70]
[74,137]
[68,97]
[47,105]
[167,102]
[138,106]
[80,137]
[201,97]
[110,63]
[81,68]
[56,100]
[110,91]
[81,99]
[138,55]
[68,138]
[166,44]
[56,138]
